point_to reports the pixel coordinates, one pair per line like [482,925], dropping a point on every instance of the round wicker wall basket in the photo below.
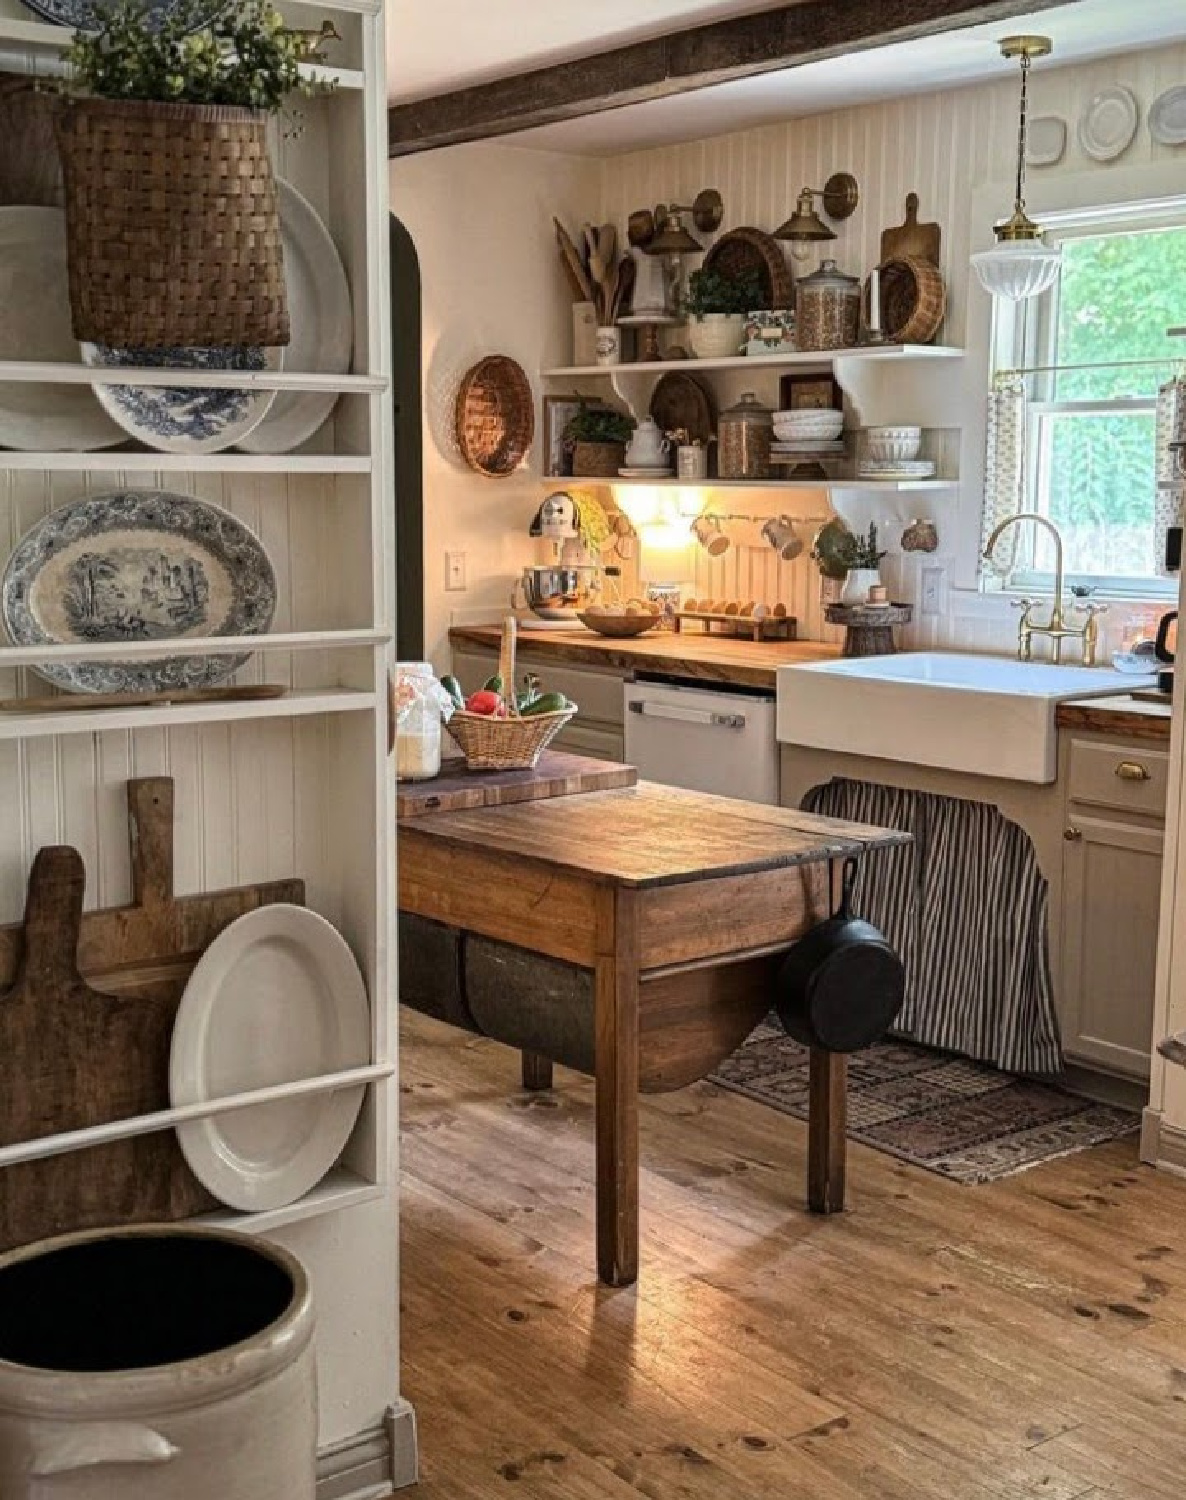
[495,416]
[172,227]
[913,300]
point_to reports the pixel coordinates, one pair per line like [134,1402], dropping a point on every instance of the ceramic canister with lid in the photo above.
[744,435]
[827,309]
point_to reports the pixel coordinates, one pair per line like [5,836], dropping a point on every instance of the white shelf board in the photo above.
[340,1189]
[294,705]
[49,372]
[819,359]
[35,47]
[883,486]
[208,645]
[107,460]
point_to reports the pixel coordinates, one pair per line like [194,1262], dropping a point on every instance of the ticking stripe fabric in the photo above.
[965,905]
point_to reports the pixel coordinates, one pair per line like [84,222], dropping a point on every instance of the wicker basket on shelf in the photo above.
[514,743]
[173,232]
[913,300]
[597,460]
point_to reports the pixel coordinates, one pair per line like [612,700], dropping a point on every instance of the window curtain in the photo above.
[1171,428]
[1004,473]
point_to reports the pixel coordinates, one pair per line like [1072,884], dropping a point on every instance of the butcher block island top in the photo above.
[636,934]
[1131,718]
[686,654]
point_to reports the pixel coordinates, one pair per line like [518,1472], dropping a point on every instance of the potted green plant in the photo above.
[597,437]
[863,561]
[717,304]
[172,226]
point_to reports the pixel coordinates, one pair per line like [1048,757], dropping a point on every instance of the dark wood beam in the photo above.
[786,37]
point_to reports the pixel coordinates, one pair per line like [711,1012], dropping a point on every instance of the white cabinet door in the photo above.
[1111,899]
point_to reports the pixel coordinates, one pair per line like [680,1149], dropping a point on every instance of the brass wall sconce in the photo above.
[672,238]
[840,195]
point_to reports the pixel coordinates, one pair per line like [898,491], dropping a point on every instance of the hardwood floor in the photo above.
[936,1342]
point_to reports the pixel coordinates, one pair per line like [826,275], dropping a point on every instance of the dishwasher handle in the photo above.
[648,709]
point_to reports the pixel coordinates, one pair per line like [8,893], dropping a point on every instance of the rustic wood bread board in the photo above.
[558,774]
[911,238]
[87,1005]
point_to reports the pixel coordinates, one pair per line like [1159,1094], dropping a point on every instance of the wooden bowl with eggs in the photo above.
[633,618]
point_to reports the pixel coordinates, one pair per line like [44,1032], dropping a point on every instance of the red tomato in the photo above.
[484,703]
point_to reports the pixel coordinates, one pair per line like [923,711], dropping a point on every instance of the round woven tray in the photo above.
[494,416]
[680,401]
[748,249]
[913,300]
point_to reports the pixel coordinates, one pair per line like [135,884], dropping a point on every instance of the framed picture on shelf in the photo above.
[812,392]
[558,413]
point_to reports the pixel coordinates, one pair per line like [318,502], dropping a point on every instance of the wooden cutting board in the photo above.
[557,775]
[87,1004]
[923,241]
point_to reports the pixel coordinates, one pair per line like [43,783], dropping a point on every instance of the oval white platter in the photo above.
[1167,117]
[137,565]
[184,419]
[1109,123]
[35,325]
[322,322]
[277,996]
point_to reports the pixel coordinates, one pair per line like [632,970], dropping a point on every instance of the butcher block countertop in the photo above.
[1128,718]
[686,654]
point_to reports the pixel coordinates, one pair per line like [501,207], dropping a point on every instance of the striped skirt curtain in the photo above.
[966,907]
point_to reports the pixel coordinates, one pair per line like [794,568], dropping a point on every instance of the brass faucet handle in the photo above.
[1089,607]
[1025,605]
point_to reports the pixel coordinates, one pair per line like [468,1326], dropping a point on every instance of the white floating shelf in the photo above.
[109,460]
[882,486]
[298,704]
[341,1188]
[209,645]
[46,372]
[810,358]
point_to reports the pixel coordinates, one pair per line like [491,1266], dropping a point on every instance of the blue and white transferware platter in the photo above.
[82,14]
[137,565]
[184,419]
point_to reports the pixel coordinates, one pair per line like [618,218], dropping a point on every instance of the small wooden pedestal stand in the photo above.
[868,628]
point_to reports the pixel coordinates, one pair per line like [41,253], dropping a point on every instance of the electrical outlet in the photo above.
[931,602]
[454,572]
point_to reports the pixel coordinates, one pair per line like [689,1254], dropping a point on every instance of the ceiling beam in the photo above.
[786,37]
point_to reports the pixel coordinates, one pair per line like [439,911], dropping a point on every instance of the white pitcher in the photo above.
[648,447]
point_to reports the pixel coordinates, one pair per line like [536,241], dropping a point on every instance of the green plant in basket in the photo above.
[712,291]
[598,424]
[246,57]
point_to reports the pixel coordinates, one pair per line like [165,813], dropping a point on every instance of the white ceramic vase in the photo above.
[213,1390]
[716,335]
[857,585]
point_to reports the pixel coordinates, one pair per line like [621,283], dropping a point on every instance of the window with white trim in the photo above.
[1091,419]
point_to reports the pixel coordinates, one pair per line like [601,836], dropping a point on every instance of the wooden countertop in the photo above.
[686,654]
[651,835]
[1121,715]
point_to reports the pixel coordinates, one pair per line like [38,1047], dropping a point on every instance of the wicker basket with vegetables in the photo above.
[500,729]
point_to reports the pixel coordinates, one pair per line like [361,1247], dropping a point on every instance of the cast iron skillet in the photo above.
[842,984]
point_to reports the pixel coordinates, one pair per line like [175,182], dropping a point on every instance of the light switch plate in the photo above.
[454,572]
[931,602]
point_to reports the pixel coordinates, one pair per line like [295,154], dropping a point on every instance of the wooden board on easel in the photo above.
[87,1004]
[910,238]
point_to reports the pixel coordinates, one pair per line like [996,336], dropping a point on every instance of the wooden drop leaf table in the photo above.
[658,919]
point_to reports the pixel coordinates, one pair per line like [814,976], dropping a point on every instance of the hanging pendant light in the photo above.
[1021,264]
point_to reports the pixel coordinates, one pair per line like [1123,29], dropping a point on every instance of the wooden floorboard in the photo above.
[936,1342]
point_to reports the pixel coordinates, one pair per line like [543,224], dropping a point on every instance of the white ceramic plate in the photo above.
[1167,117]
[1046,141]
[179,418]
[921,468]
[652,472]
[277,996]
[322,324]
[35,324]
[1108,124]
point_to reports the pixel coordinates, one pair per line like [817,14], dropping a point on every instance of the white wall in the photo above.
[481,219]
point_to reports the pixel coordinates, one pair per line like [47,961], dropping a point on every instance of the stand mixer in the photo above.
[557,590]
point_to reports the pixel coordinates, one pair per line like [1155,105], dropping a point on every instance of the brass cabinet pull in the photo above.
[1072,834]
[1133,770]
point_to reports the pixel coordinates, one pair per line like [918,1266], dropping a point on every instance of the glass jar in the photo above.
[744,434]
[827,309]
[416,700]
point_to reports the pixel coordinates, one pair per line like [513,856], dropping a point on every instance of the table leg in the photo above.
[537,1072]
[616,1064]
[827,1142]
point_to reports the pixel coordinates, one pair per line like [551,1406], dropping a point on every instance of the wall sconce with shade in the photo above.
[840,195]
[664,236]
[1021,264]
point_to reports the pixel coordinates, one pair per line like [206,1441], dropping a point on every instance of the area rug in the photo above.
[964,1120]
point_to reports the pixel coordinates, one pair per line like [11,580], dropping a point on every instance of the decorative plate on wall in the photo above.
[1167,117]
[180,418]
[137,565]
[81,14]
[1046,141]
[276,997]
[1108,124]
[321,320]
[494,416]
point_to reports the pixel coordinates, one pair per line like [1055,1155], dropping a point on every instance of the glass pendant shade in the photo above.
[1017,269]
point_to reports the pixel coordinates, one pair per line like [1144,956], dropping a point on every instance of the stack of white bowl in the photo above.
[892,453]
[813,430]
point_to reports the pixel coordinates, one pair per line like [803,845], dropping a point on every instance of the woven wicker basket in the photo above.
[512,744]
[597,460]
[172,226]
[747,249]
[495,416]
[913,300]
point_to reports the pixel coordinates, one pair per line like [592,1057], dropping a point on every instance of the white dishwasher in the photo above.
[706,739]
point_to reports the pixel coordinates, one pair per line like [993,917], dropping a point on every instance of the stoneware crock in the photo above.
[156,1363]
